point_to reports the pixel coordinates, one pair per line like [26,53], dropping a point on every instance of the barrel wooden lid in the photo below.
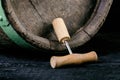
[32,19]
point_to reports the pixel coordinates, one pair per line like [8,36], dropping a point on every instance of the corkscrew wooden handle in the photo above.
[73,59]
[63,35]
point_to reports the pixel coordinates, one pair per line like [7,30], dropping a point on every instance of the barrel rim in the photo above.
[96,20]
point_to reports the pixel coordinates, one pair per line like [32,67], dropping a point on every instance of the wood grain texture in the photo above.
[32,20]
[37,15]
[73,59]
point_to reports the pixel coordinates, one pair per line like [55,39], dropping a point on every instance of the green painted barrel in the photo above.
[27,23]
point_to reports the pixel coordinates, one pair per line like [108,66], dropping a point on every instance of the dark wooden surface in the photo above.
[32,18]
[37,15]
[92,14]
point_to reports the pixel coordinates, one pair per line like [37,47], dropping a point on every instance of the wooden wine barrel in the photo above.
[27,23]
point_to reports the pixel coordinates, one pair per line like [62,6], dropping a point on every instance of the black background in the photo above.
[112,22]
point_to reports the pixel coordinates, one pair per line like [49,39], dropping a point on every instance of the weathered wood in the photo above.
[32,20]
[37,15]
